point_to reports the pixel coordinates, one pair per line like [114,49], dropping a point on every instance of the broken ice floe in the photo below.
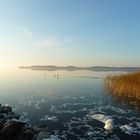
[23,117]
[107,120]
[52,137]
[37,105]
[24,113]
[131,129]
[48,118]
[87,113]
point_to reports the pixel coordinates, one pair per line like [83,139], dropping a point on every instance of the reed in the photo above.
[124,85]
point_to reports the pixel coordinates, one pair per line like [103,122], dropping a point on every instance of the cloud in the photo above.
[53,42]
[36,40]
[48,42]
[25,31]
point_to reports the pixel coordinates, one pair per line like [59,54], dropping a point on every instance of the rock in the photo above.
[1,125]
[28,134]
[1,115]
[5,109]
[5,116]
[39,128]
[42,135]
[3,121]
[1,138]
[12,127]
[13,115]
[10,115]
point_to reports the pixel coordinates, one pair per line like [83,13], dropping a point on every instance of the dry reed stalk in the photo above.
[124,84]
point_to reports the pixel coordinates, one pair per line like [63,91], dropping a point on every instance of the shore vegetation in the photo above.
[124,84]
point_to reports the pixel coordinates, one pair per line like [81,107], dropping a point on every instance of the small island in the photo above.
[75,68]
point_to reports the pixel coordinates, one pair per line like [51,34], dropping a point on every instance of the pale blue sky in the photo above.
[70,32]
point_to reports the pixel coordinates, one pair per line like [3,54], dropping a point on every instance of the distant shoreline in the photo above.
[75,68]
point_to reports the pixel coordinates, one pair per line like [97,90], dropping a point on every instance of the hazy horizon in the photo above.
[79,33]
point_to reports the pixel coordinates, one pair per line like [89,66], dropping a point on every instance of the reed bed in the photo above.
[124,85]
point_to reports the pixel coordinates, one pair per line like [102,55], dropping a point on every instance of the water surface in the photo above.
[73,104]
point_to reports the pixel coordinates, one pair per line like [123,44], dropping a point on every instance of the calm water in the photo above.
[72,104]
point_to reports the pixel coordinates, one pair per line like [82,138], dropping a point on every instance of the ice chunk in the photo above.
[49,118]
[128,129]
[37,105]
[52,137]
[107,120]
[109,124]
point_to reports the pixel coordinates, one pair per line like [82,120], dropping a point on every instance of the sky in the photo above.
[69,32]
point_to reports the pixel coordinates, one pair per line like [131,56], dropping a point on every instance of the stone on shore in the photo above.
[5,109]
[12,127]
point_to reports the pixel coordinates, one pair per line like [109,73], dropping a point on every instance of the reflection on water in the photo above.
[131,102]
[72,104]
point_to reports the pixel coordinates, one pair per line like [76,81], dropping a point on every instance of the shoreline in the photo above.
[13,127]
